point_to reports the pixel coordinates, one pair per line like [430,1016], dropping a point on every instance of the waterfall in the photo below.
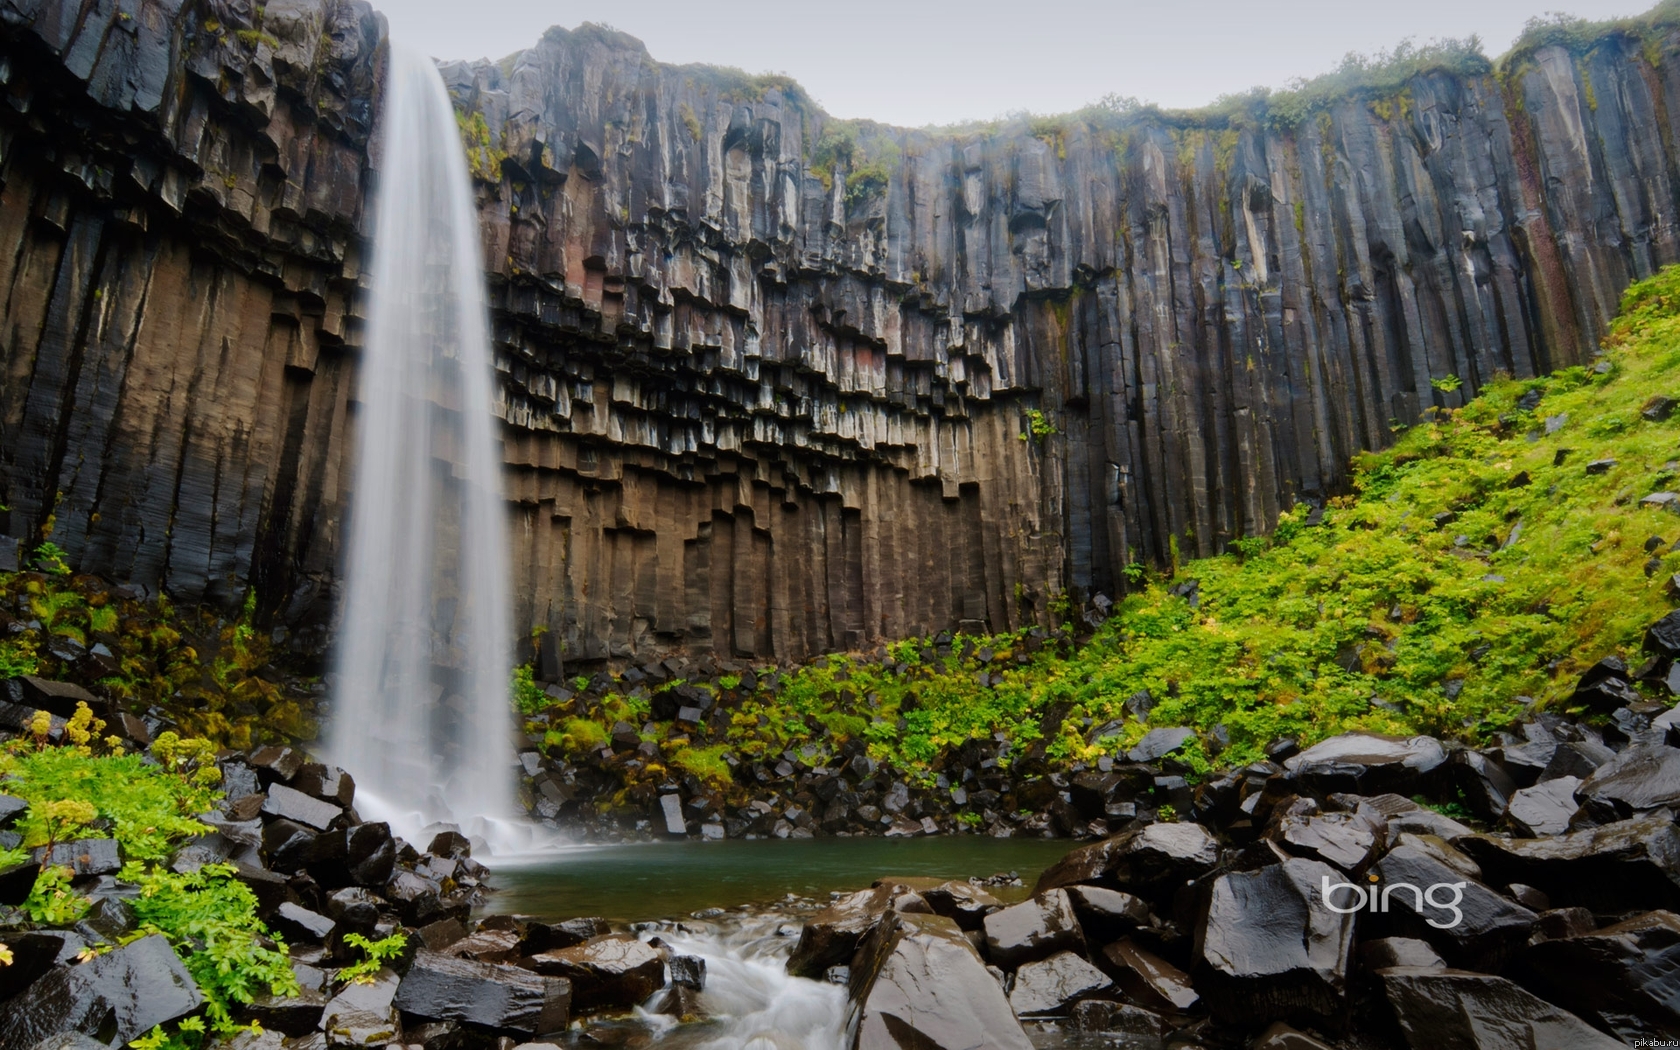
[420,712]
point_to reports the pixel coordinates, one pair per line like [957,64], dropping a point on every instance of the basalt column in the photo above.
[772,383]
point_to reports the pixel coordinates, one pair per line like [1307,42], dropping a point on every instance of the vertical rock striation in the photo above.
[774,383]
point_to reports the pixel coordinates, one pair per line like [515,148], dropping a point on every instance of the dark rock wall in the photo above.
[766,376]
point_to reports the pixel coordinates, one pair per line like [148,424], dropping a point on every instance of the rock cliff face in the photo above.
[773,383]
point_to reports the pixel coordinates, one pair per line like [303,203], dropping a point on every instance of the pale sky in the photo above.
[917,62]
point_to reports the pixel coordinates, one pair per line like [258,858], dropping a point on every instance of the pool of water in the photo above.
[663,880]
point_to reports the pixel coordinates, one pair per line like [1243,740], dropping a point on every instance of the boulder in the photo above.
[1369,764]
[33,954]
[299,924]
[1049,986]
[1347,841]
[612,971]
[1438,1009]
[115,996]
[1159,743]
[1267,949]
[1663,637]
[1468,923]
[327,783]
[1543,809]
[370,853]
[83,857]
[547,936]
[1630,865]
[831,936]
[1624,978]
[1148,980]
[276,763]
[488,946]
[1643,777]
[1140,860]
[919,983]
[688,971]
[11,808]
[290,804]
[964,902]
[1383,952]
[1107,914]
[504,998]
[363,1014]
[1032,930]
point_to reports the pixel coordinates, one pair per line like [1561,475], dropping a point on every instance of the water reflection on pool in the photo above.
[630,883]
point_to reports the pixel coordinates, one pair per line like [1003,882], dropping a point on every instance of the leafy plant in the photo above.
[210,918]
[1038,426]
[50,558]
[1447,383]
[188,1035]
[528,696]
[375,954]
[53,901]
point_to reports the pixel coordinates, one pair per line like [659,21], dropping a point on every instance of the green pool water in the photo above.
[661,880]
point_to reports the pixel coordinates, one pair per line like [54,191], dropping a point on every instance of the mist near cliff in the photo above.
[920,62]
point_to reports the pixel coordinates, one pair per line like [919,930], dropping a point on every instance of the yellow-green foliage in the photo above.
[706,763]
[691,122]
[205,671]
[484,157]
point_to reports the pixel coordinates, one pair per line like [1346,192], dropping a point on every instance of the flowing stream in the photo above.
[420,710]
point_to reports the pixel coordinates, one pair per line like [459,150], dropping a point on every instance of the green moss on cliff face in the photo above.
[1477,567]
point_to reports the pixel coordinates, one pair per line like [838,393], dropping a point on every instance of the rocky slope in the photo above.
[766,375]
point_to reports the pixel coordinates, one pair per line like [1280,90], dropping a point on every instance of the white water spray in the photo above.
[421,714]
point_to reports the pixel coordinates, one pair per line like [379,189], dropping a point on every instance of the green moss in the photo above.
[253,37]
[1375,618]
[691,122]
[706,763]
[484,157]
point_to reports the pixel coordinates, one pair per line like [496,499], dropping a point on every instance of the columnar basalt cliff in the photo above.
[773,383]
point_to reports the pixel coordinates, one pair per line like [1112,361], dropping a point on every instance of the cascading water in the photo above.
[420,712]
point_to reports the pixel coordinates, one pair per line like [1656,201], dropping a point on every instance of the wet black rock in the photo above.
[370,853]
[419,900]
[1631,865]
[301,925]
[1159,743]
[688,971]
[276,764]
[1050,986]
[115,996]
[290,804]
[831,936]
[1107,914]
[450,844]
[33,954]
[1469,924]
[1347,841]
[1384,952]
[1138,859]
[363,1014]
[1545,808]
[606,972]
[1369,764]
[1442,1009]
[547,936]
[1267,949]
[962,902]
[11,809]
[1643,777]
[500,997]
[1282,1037]
[1032,930]
[919,983]
[1148,980]
[83,857]
[327,783]
[1624,978]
